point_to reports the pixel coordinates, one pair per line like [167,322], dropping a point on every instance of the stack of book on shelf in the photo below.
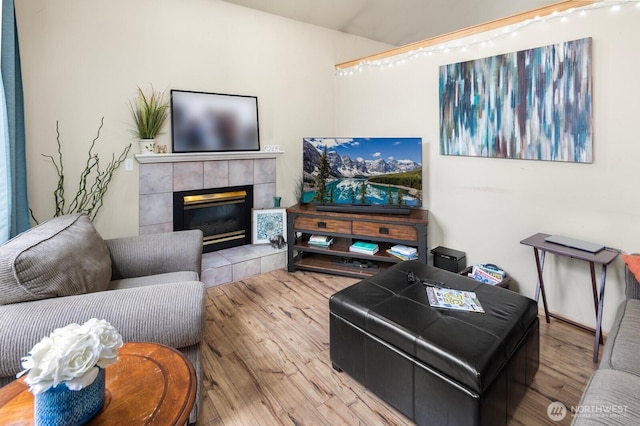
[320,241]
[403,252]
[488,274]
[364,248]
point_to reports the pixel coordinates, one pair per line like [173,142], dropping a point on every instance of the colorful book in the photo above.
[401,256]
[459,300]
[320,241]
[364,247]
[404,250]
[319,238]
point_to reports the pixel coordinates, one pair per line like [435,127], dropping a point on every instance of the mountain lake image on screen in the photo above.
[362,171]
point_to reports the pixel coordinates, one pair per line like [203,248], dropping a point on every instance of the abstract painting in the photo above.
[534,104]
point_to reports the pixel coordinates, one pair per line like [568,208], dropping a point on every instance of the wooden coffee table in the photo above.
[150,384]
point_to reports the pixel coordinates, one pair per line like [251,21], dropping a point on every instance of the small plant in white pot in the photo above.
[150,112]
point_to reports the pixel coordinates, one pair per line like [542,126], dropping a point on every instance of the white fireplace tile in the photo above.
[237,254]
[246,269]
[263,195]
[156,178]
[216,276]
[156,229]
[188,176]
[240,172]
[273,262]
[155,209]
[213,260]
[264,171]
[265,249]
[216,174]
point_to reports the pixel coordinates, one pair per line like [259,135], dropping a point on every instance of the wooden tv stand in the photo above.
[384,229]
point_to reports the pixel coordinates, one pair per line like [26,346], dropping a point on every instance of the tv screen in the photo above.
[213,122]
[380,172]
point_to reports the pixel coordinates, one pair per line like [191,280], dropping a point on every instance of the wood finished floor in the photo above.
[266,360]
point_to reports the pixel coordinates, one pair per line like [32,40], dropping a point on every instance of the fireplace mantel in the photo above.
[206,156]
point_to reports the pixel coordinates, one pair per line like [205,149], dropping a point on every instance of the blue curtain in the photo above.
[16,206]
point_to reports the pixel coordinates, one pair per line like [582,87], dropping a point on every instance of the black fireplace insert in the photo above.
[223,215]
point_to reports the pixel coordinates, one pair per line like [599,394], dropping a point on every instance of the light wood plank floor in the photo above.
[266,360]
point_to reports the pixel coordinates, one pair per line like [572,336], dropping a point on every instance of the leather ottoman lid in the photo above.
[470,348]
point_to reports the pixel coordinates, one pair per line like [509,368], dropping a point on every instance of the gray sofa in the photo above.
[612,396]
[63,272]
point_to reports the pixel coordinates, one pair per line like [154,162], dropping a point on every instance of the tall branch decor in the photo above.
[93,184]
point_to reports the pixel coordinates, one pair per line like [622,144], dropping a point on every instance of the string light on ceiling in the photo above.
[466,44]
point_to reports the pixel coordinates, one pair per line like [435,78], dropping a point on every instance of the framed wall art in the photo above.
[267,224]
[533,104]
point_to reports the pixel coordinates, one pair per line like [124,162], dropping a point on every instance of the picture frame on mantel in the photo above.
[267,224]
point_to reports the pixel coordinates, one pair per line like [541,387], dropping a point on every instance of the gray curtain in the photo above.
[17,204]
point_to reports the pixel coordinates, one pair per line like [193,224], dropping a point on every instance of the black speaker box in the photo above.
[449,259]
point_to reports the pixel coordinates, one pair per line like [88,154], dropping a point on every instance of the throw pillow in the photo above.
[633,263]
[62,257]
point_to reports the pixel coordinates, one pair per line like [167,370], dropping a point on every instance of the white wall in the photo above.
[83,59]
[486,206]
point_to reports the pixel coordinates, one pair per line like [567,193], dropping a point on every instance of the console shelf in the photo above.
[385,230]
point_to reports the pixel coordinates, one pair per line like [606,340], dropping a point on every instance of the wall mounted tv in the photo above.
[375,175]
[213,122]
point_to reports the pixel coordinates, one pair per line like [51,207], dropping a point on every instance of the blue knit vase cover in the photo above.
[60,406]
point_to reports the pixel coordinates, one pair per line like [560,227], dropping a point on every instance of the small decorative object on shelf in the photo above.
[65,372]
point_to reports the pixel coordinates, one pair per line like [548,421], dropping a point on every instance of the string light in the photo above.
[458,45]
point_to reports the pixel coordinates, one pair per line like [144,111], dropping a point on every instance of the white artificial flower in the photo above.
[80,354]
[110,340]
[84,380]
[71,355]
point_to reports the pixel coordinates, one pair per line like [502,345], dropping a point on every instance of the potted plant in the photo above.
[150,112]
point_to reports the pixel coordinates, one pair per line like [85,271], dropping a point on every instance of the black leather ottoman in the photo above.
[436,366]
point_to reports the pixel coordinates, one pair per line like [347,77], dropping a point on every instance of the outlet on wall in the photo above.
[128,164]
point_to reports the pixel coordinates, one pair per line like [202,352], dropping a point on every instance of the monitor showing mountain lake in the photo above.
[380,171]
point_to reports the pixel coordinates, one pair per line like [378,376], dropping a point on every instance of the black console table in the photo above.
[603,258]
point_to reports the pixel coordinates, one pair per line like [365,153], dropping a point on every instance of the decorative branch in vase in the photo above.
[93,184]
[150,112]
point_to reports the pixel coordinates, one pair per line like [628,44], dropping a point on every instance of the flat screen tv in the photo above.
[213,122]
[362,174]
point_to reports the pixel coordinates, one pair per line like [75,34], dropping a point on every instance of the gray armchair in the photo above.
[152,292]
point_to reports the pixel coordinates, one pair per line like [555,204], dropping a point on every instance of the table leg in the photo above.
[592,268]
[540,284]
[598,339]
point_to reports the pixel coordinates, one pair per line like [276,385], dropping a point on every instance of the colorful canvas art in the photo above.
[534,104]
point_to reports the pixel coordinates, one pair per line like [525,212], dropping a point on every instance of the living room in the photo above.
[82,60]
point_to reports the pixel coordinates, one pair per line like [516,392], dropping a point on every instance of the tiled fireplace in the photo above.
[163,174]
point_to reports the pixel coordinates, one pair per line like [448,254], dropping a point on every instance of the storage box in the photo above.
[449,259]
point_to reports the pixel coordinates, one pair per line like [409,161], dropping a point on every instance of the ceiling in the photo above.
[395,22]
